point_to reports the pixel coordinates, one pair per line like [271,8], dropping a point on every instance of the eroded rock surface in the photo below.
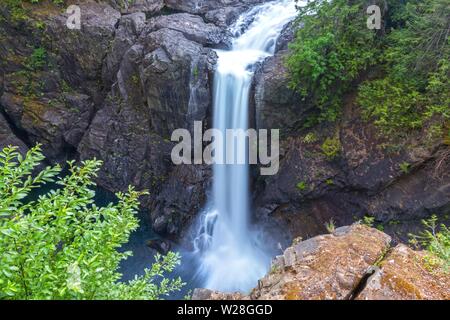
[338,266]
[404,275]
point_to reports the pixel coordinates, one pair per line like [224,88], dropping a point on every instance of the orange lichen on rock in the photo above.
[403,275]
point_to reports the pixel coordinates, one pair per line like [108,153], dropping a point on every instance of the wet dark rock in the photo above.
[8,138]
[201,7]
[146,6]
[192,27]
[286,36]
[181,199]
[163,83]
[161,246]
[129,29]
[277,106]
[80,53]
[56,120]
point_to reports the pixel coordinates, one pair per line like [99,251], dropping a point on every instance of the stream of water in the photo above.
[231,258]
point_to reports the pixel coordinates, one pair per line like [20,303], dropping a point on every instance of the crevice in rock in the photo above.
[371,271]
[19,133]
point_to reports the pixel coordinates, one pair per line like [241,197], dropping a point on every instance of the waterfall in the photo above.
[231,258]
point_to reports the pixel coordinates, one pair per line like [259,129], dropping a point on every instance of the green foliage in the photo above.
[330,51]
[368,221]
[405,166]
[18,10]
[393,106]
[410,84]
[436,241]
[330,226]
[415,86]
[331,148]
[302,186]
[37,60]
[62,246]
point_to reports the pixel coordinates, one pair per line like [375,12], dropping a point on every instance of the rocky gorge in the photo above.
[116,89]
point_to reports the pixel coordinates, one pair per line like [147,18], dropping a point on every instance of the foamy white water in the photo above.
[230,255]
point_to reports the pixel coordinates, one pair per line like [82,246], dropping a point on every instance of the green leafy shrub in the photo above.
[62,246]
[406,64]
[310,138]
[368,221]
[19,12]
[415,86]
[330,51]
[437,241]
[393,106]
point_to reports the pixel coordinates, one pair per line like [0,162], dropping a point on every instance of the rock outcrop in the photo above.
[146,6]
[403,274]
[396,181]
[192,27]
[354,262]
[114,90]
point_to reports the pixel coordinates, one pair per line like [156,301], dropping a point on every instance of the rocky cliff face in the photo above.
[117,88]
[354,262]
[398,181]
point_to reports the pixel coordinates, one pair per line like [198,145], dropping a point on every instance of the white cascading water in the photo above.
[230,255]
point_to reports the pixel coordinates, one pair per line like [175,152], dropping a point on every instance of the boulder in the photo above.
[205,294]
[220,12]
[146,6]
[404,275]
[80,53]
[192,27]
[181,198]
[321,268]
[354,262]
[161,246]
[325,267]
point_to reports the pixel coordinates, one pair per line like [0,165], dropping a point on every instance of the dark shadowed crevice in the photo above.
[18,132]
[371,271]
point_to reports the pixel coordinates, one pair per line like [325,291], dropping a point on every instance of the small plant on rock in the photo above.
[436,240]
[405,167]
[302,186]
[331,227]
[331,148]
[368,221]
